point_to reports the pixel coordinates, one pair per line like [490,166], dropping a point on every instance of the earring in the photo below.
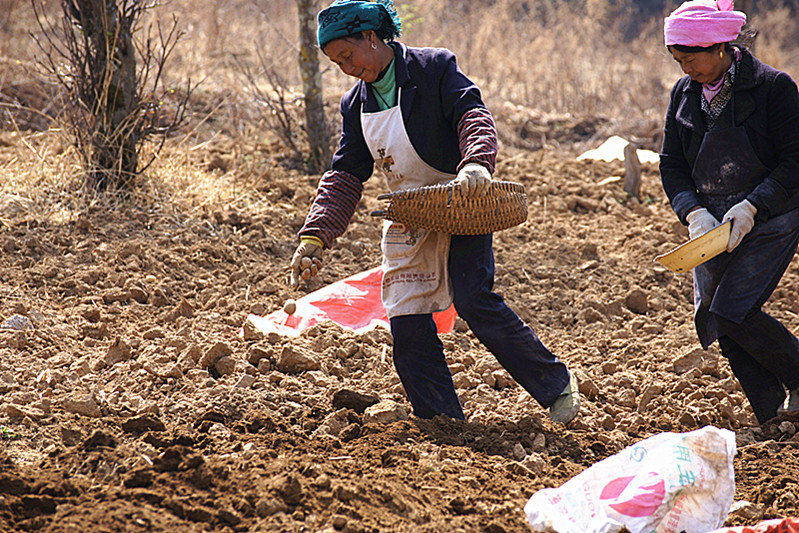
[374,46]
[721,55]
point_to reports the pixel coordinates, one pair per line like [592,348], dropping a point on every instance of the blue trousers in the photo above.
[419,354]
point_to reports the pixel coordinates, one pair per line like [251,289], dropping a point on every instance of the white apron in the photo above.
[415,278]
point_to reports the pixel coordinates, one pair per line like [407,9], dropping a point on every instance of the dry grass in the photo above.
[544,57]
[549,55]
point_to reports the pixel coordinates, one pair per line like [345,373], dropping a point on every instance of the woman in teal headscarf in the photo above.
[345,18]
[420,121]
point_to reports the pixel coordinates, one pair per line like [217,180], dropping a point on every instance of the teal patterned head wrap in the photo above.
[347,17]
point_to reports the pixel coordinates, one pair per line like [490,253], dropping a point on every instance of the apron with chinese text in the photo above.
[415,278]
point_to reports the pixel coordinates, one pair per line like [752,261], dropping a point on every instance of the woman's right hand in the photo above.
[306,261]
[700,221]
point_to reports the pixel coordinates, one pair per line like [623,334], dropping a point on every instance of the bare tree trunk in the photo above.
[748,33]
[315,124]
[114,87]
[632,171]
[112,93]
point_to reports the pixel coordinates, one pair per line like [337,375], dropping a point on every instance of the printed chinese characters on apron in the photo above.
[726,170]
[415,278]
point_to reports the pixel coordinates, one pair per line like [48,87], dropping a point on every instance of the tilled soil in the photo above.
[133,399]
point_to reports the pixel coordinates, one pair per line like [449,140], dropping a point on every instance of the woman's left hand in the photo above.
[474,179]
[742,215]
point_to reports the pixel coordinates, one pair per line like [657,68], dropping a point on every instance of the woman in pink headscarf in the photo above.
[731,152]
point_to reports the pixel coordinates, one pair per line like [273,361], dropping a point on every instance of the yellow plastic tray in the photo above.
[693,253]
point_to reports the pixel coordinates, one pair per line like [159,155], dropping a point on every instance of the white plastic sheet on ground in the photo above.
[670,482]
[613,148]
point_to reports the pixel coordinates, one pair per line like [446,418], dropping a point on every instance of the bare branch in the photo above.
[279,107]
[114,82]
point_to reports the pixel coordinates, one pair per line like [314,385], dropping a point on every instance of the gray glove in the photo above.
[700,221]
[742,215]
[307,260]
[474,179]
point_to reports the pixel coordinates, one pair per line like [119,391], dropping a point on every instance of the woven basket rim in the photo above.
[495,185]
[442,208]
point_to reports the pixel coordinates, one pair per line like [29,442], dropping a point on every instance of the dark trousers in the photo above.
[419,353]
[764,356]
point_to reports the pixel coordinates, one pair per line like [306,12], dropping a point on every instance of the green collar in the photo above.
[385,88]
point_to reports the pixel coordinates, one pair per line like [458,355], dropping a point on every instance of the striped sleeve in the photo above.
[477,138]
[337,196]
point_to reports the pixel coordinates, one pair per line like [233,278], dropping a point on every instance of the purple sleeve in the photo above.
[477,138]
[337,196]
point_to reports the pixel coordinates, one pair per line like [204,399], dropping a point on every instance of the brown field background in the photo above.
[136,299]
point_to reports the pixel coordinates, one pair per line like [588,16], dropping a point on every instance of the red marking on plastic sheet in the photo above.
[353,303]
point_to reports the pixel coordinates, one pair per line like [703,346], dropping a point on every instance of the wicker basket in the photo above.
[444,208]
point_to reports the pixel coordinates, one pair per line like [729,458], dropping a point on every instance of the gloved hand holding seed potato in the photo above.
[306,261]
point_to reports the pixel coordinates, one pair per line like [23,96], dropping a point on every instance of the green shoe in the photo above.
[567,405]
[791,402]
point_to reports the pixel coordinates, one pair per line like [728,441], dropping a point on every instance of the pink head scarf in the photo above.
[703,23]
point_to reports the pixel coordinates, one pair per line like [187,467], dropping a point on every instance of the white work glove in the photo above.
[307,260]
[700,221]
[742,215]
[474,179]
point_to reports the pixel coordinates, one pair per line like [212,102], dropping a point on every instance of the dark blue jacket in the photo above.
[767,105]
[434,95]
